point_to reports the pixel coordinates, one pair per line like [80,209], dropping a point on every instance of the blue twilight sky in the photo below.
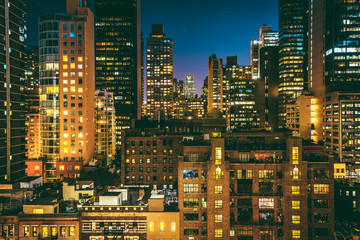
[198,28]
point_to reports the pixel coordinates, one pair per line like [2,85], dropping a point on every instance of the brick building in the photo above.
[255,186]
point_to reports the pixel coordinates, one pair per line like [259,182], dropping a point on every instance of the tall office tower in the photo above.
[67,90]
[292,53]
[254,58]
[266,87]
[159,68]
[12,91]
[204,93]
[31,58]
[267,37]
[242,112]
[342,81]
[118,57]
[180,88]
[190,86]
[215,84]
[175,82]
[105,132]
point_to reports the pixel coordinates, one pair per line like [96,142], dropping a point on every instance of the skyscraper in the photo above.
[342,83]
[67,90]
[32,103]
[159,68]
[118,57]
[292,52]
[12,91]
[266,93]
[215,84]
[190,87]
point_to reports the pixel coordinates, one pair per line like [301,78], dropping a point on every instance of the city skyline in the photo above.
[190,56]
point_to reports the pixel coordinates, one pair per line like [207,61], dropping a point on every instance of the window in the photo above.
[173,226]
[203,202]
[295,155]
[218,203]
[321,188]
[218,155]
[191,202]
[266,203]
[296,233]
[218,189]
[64,27]
[295,205]
[44,231]
[38,211]
[26,231]
[218,218]
[218,233]
[266,174]
[152,227]
[296,219]
[72,231]
[244,174]
[295,190]
[218,174]
[62,231]
[35,231]
[191,188]
[162,227]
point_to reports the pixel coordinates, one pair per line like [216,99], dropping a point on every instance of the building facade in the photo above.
[292,49]
[190,86]
[255,186]
[159,68]
[105,127]
[215,84]
[67,89]
[12,91]
[118,60]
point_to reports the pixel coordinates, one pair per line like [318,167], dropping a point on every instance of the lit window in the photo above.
[295,219]
[65,74]
[65,112]
[80,59]
[44,231]
[295,155]
[37,168]
[27,231]
[321,188]
[72,231]
[77,167]
[38,211]
[162,227]
[218,189]
[80,89]
[218,233]
[65,90]
[218,155]
[218,218]
[173,226]
[296,233]
[72,65]
[80,66]
[65,66]
[218,203]
[295,189]
[295,204]
[61,167]
[65,58]
[152,227]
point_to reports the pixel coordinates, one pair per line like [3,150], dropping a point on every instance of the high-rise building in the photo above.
[342,81]
[292,53]
[266,90]
[32,103]
[254,58]
[215,84]
[67,82]
[241,110]
[118,57]
[267,37]
[159,68]
[190,87]
[12,90]
[105,131]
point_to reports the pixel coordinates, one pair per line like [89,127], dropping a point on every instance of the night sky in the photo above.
[199,28]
